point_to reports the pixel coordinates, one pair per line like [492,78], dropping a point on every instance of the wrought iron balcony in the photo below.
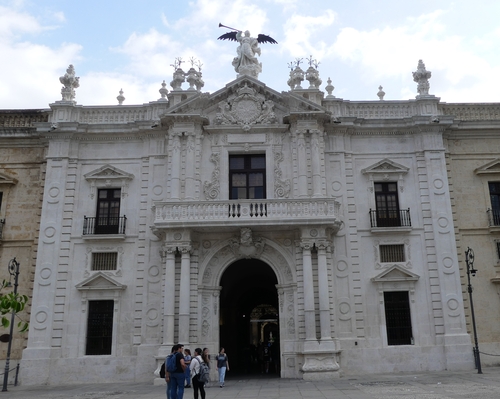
[106,225]
[494,217]
[231,213]
[390,218]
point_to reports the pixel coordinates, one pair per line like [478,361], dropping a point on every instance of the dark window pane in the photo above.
[398,319]
[256,179]
[236,163]
[99,328]
[258,162]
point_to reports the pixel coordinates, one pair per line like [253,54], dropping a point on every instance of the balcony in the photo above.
[276,213]
[390,219]
[104,226]
[2,222]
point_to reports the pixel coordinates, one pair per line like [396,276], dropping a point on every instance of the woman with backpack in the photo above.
[197,361]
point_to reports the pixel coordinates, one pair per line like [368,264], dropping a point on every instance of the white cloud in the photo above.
[14,23]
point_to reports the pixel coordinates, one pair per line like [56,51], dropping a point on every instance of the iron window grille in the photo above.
[102,261]
[100,328]
[392,253]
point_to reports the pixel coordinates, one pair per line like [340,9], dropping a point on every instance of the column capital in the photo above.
[167,250]
[305,245]
[185,249]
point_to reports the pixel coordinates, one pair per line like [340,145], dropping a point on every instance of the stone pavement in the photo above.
[438,385]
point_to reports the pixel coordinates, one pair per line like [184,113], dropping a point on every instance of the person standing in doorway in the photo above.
[178,377]
[187,361]
[222,366]
[195,373]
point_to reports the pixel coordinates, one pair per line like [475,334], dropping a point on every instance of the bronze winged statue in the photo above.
[246,63]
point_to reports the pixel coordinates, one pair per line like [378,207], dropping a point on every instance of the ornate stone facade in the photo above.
[364,206]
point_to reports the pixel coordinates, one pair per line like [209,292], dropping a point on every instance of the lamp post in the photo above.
[13,271]
[469,261]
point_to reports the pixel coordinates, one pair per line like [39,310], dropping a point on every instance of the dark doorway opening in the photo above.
[249,320]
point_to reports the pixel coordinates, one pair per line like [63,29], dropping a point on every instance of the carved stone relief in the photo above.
[211,189]
[281,187]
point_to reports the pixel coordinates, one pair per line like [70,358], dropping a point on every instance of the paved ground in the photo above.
[442,385]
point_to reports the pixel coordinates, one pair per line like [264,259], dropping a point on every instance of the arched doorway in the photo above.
[249,319]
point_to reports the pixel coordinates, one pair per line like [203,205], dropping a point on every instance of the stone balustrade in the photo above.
[379,110]
[471,112]
[252,212]
[22,118]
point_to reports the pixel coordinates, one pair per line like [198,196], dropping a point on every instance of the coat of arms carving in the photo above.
[245,108]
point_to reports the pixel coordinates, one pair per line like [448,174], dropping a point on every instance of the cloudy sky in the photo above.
[360,44]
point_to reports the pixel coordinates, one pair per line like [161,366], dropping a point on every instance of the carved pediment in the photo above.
[100,281]
[395,274]
[385,166]
[4,179]
[492,167]
[108,176]
[108,172]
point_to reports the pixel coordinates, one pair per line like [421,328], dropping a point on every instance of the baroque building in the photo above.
[331,230]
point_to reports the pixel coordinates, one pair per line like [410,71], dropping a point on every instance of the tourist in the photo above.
[222,365]
[195,371]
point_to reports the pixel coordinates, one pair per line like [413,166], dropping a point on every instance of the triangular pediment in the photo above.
[492,167]
[108,172]
[4,179]
[395,274]
[385,166]
[100,281]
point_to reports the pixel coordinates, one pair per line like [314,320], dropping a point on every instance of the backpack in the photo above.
[171,363]
[204,374]
[162,370]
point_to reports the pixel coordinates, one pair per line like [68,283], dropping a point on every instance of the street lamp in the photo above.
[13,271]
[469,261]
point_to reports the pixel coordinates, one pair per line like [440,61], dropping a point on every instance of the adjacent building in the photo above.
[22,173]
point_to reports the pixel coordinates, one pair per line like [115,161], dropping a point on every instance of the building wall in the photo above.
[472,150]
[180,237]
[22,173]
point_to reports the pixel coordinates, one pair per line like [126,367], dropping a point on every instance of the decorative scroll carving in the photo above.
[212,189]
[281,187]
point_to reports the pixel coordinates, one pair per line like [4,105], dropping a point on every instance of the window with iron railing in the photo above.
[102,261]
[392,253]
[494,212]
[387,212]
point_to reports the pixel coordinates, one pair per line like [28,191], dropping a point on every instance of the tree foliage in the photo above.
[12,303]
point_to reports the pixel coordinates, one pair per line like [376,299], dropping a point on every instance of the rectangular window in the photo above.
[108,211]
[495,203]
[99,328]
[392,253]
[104,261]
[397,317]
[247,176]
[387,205]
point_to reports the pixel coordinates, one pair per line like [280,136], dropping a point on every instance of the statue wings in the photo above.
[260,38]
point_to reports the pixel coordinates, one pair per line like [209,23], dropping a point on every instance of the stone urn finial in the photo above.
[422,76]
[70,82]
[120,97]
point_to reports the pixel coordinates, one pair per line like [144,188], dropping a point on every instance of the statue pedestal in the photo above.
[320,361]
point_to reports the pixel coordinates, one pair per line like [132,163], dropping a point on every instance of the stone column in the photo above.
[184,294]
[190,163]
[302,164]
[309,312]
[175,166]
[169,296]
[316,164]
[324,294]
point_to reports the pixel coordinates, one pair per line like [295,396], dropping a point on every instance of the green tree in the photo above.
[12,303]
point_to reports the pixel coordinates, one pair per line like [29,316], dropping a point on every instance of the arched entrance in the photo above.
[249,319]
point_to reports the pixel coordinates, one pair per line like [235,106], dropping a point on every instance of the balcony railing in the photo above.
[2,222]
[233,212]
[107,225]
[493,217]
[390,218]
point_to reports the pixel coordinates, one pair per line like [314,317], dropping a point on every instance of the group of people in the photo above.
[188,371]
